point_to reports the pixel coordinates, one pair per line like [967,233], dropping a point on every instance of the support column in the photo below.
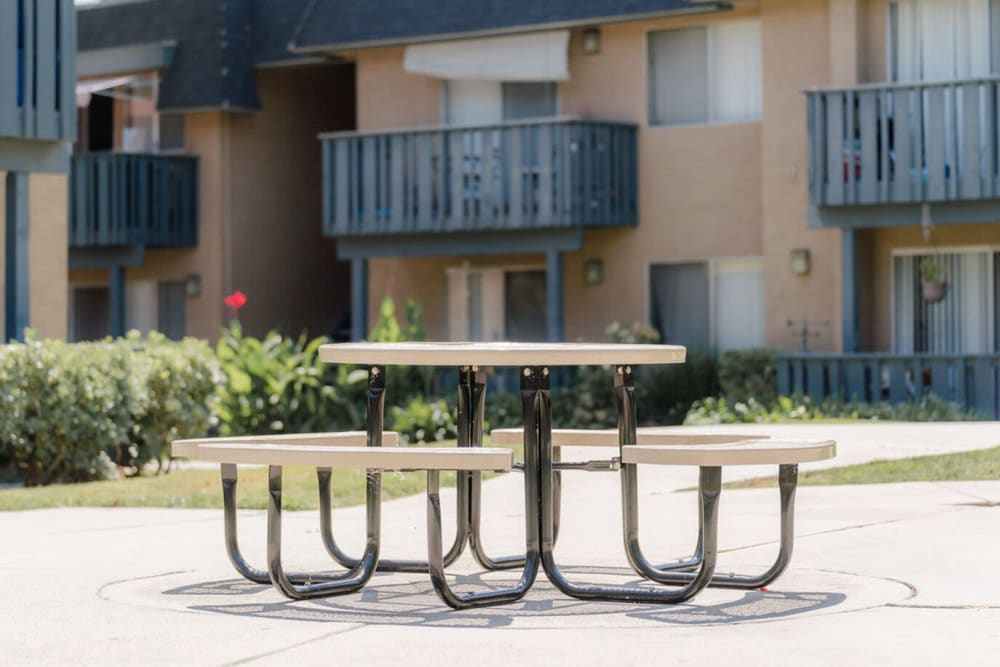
[849,289]
[359,299]
[116,300]
[17,292]
[554,295]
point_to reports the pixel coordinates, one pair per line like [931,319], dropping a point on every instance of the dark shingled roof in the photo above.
[219,42]
[330,24]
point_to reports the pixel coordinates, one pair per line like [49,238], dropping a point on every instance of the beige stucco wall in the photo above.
[699,187]
[280,258]
[205,135]
[876,267]
[47,252]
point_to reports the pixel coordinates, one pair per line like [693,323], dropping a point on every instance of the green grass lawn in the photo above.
[201,488]
[982,464]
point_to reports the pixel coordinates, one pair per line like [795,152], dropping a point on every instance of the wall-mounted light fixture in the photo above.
[593,271]
[192,285]
[592,41]
[801,261]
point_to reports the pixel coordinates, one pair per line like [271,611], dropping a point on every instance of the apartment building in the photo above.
[37,126]
[813,175]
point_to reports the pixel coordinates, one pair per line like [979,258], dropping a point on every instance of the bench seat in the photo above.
[747,452]
[189,448]
[438,458]
[581,437]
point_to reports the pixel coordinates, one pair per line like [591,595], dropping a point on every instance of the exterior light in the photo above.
[801,262]
[192,285]
[592,41]
[593,271]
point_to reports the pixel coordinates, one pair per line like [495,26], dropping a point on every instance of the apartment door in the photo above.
[525,310]
[963,322]
[739,303]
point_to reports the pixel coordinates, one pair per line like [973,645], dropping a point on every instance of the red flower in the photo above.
[235,301]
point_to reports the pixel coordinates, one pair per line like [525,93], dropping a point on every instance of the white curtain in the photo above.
[739,304]
[941,39]
[737,71]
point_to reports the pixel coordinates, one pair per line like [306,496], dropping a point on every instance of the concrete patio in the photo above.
[887,574]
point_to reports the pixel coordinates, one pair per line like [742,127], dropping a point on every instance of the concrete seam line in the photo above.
[326,635]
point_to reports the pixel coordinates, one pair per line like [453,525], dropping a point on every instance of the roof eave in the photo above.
[707,7]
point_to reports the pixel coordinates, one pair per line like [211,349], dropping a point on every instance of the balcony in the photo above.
[914,143]
[525,175]
[124,199]
[37,70]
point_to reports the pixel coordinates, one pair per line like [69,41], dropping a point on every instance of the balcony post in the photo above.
[359,298]
[17,292]
[849,288]
[554,295]
[116,300]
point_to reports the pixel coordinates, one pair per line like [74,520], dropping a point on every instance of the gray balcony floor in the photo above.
[882,574]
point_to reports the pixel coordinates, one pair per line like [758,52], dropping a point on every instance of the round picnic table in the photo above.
[540,470]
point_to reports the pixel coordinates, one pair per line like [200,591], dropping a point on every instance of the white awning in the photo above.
[539,56]
[84,89]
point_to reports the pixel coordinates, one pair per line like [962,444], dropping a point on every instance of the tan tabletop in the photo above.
[500,354]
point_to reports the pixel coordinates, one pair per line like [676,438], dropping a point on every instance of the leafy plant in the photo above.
[931,271]
[279,385]
[424,421]
[803,408]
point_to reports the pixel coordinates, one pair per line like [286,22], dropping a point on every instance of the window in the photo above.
[718,304]
[478,102]
[706,74]
[937,40]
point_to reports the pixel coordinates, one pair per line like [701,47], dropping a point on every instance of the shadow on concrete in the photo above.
[392,602]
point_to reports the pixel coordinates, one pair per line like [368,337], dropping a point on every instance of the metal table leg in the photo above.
[709,487]
[321,585]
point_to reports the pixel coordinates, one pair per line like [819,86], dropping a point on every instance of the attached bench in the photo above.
[190,448]
[374,460]
[710,458]
[577,437]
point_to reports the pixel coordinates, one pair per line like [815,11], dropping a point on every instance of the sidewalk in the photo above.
[886,574]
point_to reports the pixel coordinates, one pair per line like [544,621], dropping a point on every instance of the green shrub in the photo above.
[746,374]
[423,421]
[279,385]
[74,410]
[183,380]
[403,382]
[665,393]
[803,408]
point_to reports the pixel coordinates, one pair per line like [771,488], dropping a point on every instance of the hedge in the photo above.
[76,411]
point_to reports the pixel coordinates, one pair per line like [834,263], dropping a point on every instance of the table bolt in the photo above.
[375,370]
[545,372]
[619,370]
[527,372]
[475,369]
[628,369]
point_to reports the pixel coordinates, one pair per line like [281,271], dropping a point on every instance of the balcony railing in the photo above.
[970,380]
[552,173]
[38,69]
[904,143]
[133,199]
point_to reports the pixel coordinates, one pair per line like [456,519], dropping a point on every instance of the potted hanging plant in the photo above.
[932,281]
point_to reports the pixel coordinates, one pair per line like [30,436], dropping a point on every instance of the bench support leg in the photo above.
[321,585]
[435,555]
[240,563]
[787,484]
